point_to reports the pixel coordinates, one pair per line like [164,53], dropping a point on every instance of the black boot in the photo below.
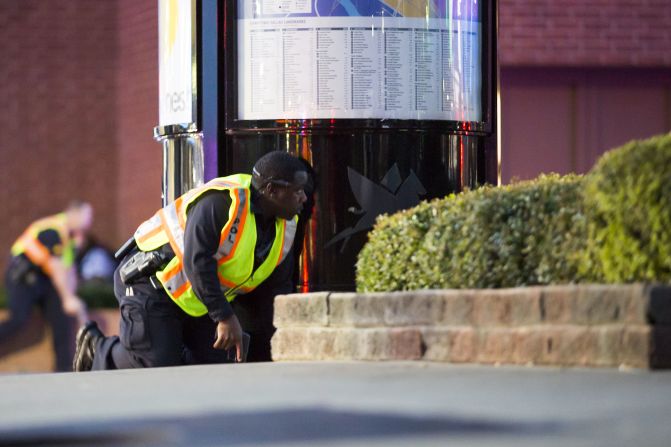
[87,339]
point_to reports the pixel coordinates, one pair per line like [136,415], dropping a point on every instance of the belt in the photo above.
[22,270]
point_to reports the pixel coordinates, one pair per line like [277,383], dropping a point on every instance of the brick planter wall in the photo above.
[590,325]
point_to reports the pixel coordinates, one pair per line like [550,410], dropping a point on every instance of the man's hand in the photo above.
[64,280]
[75,307]
[229,334]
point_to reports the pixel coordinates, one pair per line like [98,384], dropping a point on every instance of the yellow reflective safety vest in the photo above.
[30,245]
[235,254]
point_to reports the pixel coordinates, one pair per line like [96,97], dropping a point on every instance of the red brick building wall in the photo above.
[140,156]
[578,78]
[79,91]
[631,33]
[79,85]
[58,113]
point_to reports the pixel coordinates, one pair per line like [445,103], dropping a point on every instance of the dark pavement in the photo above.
[338,404]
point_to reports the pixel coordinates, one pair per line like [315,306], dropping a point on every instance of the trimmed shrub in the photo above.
[628,205]
[528,233]
[97,294]
[390,259]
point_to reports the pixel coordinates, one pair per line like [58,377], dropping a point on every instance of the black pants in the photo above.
[36,290]
[154,332]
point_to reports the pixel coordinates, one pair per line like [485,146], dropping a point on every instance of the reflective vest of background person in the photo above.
[30,245]
[41,273]
[235,256]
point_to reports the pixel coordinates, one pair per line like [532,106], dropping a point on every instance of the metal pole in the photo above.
[182,160]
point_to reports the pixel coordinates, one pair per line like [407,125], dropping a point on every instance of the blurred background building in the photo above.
[579,77]
[79,91]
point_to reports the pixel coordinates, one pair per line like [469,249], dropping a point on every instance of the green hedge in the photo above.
[612,225]
[526,233]
[96,294]
[628,204]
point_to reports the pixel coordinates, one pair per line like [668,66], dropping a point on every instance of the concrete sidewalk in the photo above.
[338,404]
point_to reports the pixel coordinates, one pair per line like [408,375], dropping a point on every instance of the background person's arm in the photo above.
[64,280]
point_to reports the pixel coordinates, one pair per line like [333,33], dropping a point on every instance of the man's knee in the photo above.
[154,356]
[148,332]
[163,357]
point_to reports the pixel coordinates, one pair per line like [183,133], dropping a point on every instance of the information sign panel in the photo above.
[356,59]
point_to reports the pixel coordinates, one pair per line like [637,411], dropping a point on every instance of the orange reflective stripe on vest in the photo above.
[229,239]
[235,254]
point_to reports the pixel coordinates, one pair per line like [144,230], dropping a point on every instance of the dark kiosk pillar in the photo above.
[390,102]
